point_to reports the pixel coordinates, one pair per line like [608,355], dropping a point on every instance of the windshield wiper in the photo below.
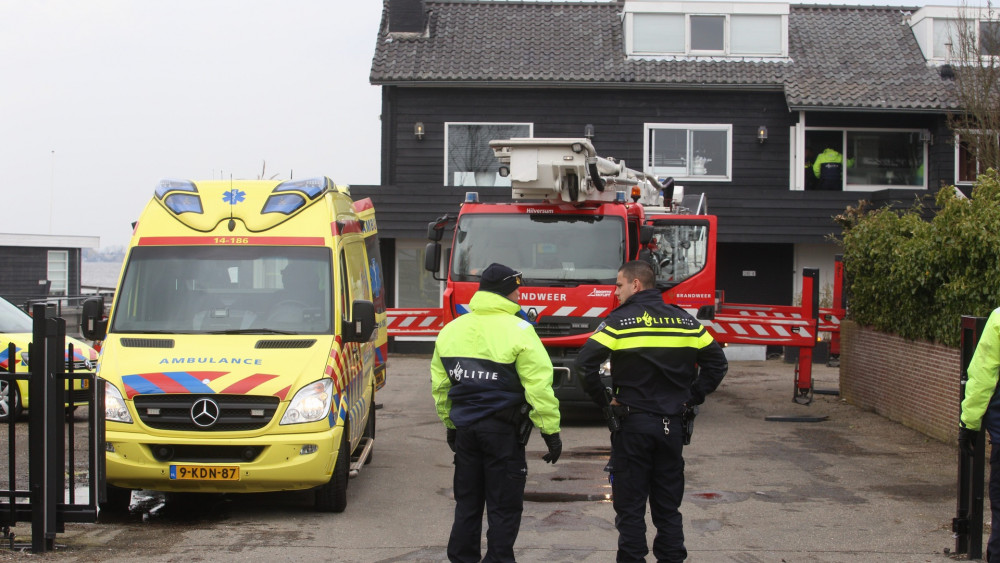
[250,331]
[561,282]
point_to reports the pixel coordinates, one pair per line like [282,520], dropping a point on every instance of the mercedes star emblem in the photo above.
[205,412]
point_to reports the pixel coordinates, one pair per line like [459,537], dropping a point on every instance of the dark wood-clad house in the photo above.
[733,100]
[39,266]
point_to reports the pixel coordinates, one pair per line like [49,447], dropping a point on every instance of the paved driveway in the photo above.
[852,488]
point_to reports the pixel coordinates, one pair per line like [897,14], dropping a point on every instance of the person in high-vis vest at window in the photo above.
[981,408]
[491,379]
[663,363]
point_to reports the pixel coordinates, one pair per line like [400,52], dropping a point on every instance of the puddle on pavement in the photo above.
[587,453]
[532,496]
[715,497]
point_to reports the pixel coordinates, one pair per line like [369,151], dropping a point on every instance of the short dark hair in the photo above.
[639,270]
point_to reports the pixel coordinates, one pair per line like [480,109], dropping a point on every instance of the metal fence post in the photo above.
[39,460]
[968,522]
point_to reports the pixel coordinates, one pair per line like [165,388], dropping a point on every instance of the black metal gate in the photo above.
[55,388]
[968,522]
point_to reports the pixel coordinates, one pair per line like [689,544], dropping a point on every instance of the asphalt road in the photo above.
[852,488]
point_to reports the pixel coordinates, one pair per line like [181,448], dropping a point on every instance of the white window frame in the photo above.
[57,262]
[498,181]
[727,127]
[799,158]
[689,9]
[958,148]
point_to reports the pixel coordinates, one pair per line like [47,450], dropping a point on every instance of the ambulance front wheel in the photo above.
[10,401]
[118,500]
[332,497]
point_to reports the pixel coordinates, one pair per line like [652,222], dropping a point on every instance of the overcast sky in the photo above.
[102,98]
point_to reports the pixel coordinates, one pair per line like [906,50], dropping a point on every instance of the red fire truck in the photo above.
[574,220]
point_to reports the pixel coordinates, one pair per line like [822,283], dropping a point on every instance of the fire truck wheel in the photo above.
[332,497]
[10,401]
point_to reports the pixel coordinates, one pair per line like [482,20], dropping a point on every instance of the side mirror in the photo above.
[361,327]
[93,325]
[435,229]
[646,233]
[432,257]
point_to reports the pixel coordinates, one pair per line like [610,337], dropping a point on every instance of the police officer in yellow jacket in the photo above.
[492,380]
[981,407]
[656,352]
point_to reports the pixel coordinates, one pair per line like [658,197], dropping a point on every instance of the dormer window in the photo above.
[706,29]
[939,32]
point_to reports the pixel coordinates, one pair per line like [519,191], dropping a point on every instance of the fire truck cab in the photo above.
[575,219]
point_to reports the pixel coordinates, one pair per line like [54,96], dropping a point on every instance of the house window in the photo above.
[755,35]
[689,151]
[710,34]
[989,38]
[658,33]
[868,159]
[468,158]
[58,272]
[415,286]
[967,163]
[946,34]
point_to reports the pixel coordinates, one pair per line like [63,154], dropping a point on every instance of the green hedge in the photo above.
[916,278]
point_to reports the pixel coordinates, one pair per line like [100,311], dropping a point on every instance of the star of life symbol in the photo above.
[234,196]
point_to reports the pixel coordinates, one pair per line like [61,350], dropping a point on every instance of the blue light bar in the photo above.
[471,197]
[283,203]
[312,187]
[172,185]
[619,197]
[183,203]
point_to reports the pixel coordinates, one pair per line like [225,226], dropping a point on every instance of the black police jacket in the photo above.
[661,357]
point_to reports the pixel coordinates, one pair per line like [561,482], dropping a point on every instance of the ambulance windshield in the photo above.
[546,248]
[13,319]
[225,290]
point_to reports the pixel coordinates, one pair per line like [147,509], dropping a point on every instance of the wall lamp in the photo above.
[418,130]
[588,131]
[762,133]
[926,137]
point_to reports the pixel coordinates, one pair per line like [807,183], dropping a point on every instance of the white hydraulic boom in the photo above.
[569,170]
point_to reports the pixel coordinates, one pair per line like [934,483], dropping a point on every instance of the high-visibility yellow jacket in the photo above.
[490,360]
[828,155]
[980,390]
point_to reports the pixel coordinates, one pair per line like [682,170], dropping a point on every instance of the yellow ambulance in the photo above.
[241,353]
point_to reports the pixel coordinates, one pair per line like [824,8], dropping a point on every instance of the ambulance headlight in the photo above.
[115,409]
[310,404]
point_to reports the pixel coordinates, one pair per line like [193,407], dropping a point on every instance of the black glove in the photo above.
[554,444]
[967,440]
[452,433]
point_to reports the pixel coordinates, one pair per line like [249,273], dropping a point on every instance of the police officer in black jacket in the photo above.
[657,351]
